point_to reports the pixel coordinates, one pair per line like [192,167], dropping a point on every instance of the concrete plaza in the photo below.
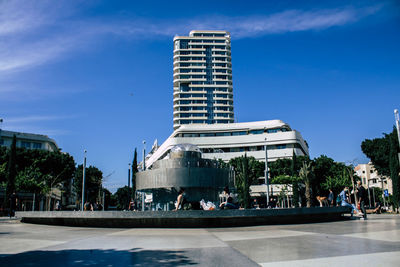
[374,242]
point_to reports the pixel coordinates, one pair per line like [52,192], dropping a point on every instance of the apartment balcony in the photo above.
[189,67]
[189,61]
[190,105]
[223,111]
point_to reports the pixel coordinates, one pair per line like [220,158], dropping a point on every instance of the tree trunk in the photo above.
[308,193]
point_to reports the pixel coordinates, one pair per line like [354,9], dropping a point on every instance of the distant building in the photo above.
[203,92]
[371,178]
[227,141]
[28,140]
[32,141]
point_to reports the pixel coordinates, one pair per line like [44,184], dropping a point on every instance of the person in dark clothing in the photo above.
[361,195]
[331,198]
[181,200]
[272,203]
[13,204]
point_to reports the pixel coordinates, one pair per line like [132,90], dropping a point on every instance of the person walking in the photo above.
[331,198]
[361,195]
[13,204]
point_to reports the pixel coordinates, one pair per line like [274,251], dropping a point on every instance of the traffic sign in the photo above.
[386,192]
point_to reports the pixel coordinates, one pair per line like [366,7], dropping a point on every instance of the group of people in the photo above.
[89,206]
[345,200]
[230,201]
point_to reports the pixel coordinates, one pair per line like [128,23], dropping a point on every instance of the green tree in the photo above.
[337,183]
[31,180]
[286,179]
[12,167]
[247,171]
[107,199]
[122,197]
[286,166]
[383,153]
[394,168]
[3,165]
[295,183]
[134,171]
[306,174]
[93,181]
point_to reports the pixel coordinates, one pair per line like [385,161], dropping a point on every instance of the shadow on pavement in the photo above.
[95,257]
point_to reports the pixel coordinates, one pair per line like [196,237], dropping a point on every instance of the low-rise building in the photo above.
[227,141]
[28,140]
[371,178]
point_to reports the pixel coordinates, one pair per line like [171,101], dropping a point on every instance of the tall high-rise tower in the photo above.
[203,78]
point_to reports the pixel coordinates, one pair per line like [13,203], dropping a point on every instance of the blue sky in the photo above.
[97,75]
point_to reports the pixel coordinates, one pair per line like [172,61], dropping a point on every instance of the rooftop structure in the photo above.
[203,78]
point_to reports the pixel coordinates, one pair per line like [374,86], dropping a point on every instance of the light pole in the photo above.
[144,155]
[83,179]
[383,194]
[266,172]
[396,117]
[369,194]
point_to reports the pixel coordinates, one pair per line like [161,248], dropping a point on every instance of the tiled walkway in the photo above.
[374,242]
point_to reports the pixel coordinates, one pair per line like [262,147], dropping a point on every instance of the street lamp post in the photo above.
[266,172]
[369,194]
[83,179]
[396,117]
[383,194]
[144,155]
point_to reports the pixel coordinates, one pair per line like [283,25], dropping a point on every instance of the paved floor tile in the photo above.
[375,242]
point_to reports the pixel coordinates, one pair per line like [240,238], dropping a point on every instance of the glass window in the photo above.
[25,144]
[239,133]
[37,145]
[256,132]
[183,44]
[207,134]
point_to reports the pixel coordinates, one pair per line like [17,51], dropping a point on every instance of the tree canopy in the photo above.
[383,153]
[93,182]
[37,170]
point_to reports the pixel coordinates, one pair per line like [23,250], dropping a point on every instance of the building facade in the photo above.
[227,141]
[203,92]
[371,178]
[28,140]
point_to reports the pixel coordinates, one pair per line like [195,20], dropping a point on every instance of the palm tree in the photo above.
[305,173]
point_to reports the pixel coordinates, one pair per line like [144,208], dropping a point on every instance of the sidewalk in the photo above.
[9,220]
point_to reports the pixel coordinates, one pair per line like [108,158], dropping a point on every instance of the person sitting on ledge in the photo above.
[229,203]
[345,201]
[181,200]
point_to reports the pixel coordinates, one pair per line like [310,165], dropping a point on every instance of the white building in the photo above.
[28,140]
[371,178]
[227,141]
[203,78]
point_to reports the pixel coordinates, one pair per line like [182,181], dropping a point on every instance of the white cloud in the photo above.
[36,118]
[37,32]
